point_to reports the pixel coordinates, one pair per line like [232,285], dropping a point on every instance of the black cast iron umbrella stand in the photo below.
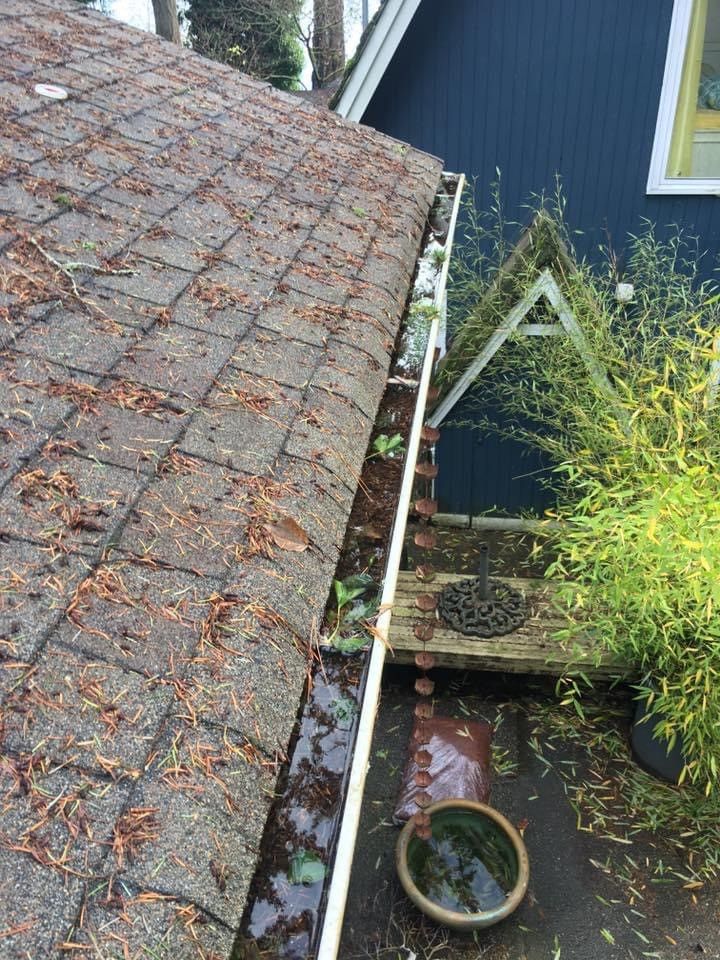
[482,606]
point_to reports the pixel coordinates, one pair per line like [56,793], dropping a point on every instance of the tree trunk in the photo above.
[328,41]
[166,20]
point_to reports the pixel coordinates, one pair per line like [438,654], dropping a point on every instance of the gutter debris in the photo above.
[430,278]
[451,185]
[290,887]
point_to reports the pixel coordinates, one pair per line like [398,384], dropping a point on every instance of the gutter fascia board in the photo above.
[344,852]
[375,58]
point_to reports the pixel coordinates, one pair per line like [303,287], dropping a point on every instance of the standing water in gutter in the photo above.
[290,887]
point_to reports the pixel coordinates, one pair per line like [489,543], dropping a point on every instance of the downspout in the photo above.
[340,882]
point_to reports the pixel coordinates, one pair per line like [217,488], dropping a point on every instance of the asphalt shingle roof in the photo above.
[201,280]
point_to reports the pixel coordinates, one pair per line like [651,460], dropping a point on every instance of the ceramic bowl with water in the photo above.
[472,872]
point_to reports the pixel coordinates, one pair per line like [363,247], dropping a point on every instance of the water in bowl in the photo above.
[468,866]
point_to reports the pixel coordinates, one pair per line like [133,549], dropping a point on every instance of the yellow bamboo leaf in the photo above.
[691,545]
[651,529]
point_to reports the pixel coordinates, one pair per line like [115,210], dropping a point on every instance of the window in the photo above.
[686,152]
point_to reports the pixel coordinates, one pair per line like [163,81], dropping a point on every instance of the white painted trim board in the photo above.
[658,184]
[375,58]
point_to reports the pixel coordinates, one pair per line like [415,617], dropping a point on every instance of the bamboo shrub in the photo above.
[638,562]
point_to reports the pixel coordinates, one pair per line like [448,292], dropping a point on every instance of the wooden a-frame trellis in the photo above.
[566,325]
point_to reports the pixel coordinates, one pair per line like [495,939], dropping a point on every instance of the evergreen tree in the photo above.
[258,37]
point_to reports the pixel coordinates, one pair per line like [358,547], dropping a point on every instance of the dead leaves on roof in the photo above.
[59,489]
[219,295]
[287,534]
[134,185]
[178,464]
[260,507]
[47,802]
[192,763]
[218,621]
[236,210]
[39,485]
[120,393]
[257,395]
[133,829]
[106,583]
[35,276]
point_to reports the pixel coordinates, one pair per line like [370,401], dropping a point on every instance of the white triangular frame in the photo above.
[545,286]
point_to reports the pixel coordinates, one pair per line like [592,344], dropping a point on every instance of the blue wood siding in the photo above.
[539,88]
[482,472]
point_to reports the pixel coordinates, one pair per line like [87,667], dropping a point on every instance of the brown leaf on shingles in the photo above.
[258,502]
[104,583]
[38,485]
[56,449]
[85,396]
[220,872]
[77,518]
[216,623]
[219,295]
[136,827]
[177,463]
[123,394]
[158,232]
[287,534]
[130,185]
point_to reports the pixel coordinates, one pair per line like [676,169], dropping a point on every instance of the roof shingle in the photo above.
[201,280]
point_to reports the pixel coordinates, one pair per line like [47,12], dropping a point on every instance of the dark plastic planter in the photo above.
[651,753]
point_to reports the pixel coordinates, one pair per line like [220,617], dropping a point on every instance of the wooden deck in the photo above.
[531,649]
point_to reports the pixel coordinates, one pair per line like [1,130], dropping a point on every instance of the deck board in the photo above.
[530,649]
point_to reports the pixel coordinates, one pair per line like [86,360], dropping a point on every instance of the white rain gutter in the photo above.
[340,882]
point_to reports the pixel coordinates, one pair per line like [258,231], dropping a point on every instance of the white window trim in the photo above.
[658,183]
